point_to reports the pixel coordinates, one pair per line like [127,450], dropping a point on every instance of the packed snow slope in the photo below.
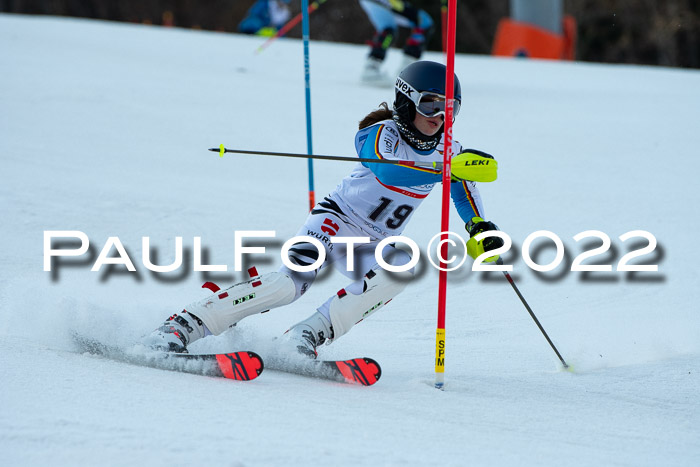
[104,129]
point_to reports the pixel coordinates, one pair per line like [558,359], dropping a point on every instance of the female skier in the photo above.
[374,200]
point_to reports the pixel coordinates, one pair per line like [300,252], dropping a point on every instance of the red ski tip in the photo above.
[364,371]
[241,366]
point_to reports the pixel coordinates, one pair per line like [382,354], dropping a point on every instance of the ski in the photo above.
[239,366]
[363,371]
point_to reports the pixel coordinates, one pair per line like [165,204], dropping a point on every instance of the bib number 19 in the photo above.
[398,216]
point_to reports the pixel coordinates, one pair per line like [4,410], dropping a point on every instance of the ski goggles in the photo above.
[428,104]
[432,105]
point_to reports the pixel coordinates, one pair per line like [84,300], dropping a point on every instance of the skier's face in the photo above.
[428,125]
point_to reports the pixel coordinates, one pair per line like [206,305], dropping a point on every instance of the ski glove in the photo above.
[475,166]
[474,227]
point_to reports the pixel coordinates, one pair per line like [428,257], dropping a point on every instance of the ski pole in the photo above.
[426,165]
[290,24]
[532,314]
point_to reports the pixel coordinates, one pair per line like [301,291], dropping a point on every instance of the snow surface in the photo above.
[104,129]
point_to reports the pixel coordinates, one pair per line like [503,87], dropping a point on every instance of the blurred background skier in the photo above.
[387,16]
[265,17]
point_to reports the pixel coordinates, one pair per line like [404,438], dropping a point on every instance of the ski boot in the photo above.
[176,333]
[307,335]
[373,75]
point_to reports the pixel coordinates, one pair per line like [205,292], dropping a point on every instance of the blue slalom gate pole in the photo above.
[307,80]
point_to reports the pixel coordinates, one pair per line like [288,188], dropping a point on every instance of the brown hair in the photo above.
[382,113]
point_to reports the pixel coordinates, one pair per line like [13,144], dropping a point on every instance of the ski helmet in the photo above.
[417,81]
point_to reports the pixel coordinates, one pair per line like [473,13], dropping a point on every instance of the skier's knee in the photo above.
[398,259]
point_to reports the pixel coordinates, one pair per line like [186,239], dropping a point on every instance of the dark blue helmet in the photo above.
[422,77]
[415,87]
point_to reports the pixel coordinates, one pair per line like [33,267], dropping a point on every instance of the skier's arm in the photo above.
[381,142]
[466,198]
